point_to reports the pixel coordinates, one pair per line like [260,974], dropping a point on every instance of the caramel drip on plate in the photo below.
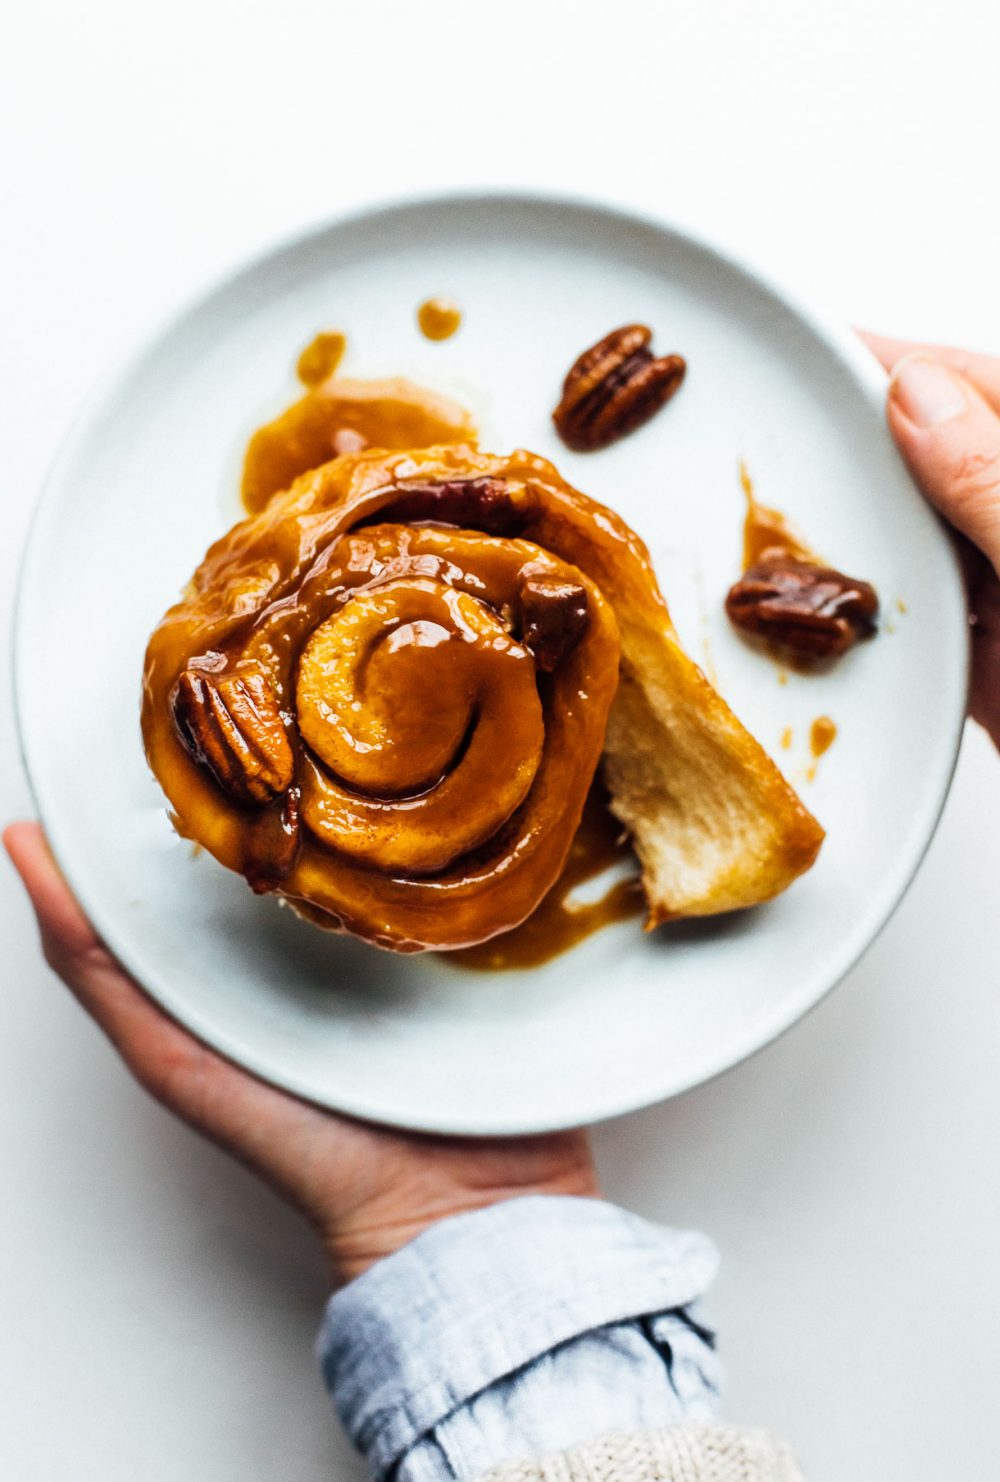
[439,318]
[321,358]
[393,414]
[822,735]
[559,923]
[766,529]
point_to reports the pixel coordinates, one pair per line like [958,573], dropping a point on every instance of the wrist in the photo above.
[439,1179]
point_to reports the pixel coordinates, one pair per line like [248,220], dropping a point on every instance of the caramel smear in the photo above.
[558,924]
[320,358]
[393,414]
[766,529]
[786,739]
[822,735]
[439,318]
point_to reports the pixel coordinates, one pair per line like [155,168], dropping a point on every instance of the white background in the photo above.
[157,1308]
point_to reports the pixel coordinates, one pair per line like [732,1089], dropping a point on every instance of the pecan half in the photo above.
[812,611]
[553,617]
[230,723]
[273,844]
[614,387]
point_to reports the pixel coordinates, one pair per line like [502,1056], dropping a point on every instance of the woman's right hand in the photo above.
[944,412]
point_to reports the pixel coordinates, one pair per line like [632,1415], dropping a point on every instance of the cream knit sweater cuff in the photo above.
[693,1452]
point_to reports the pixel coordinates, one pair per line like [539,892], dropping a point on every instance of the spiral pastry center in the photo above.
[422,717]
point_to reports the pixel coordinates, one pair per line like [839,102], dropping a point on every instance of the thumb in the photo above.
[950,438]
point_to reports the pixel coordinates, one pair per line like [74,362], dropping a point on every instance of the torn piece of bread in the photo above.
[713,821]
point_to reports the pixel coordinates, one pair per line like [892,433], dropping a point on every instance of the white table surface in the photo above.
[157,1307]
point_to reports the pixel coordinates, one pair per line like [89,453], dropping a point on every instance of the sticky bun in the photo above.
[385,695]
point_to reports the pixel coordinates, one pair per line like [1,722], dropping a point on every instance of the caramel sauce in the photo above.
[786,738]
[438,318]
[557,923]
[320,358]
[767,532]
[393,414]
[822,735]
[766,529]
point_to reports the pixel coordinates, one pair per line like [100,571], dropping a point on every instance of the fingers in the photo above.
[944,412]
[950,437]
[982,370]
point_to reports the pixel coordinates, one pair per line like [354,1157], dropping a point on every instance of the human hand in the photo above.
[367,1190]
[944,412]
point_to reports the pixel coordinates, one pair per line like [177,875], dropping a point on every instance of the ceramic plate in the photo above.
[149,478]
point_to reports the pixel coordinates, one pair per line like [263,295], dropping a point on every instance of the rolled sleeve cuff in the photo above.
[480,1296]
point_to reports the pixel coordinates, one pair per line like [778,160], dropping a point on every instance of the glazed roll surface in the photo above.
[385,696]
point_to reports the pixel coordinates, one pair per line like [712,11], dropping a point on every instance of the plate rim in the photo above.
[837,339]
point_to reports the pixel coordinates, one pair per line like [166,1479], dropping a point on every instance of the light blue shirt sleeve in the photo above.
[520,1329]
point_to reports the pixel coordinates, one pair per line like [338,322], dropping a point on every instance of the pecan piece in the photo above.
[812,611]
[273,844]
[614,387]
[553,617]
[493,505]
[231,725]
